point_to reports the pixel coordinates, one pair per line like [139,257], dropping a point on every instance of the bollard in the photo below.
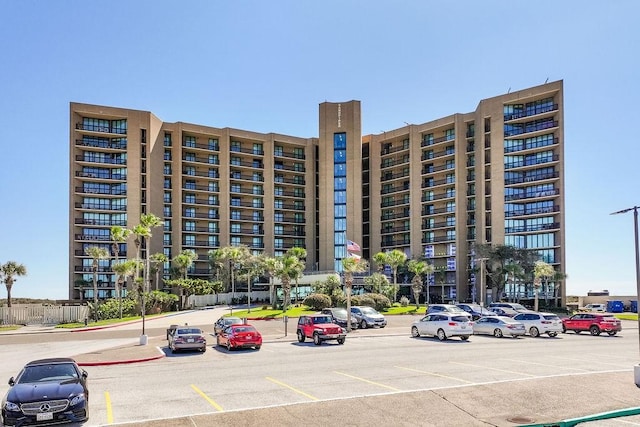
[285,319]
[86,321]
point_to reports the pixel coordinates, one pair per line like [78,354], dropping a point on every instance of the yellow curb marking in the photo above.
[367,381]
[494,369]
[434,374]
[292,388]
[107,398]
[207,398]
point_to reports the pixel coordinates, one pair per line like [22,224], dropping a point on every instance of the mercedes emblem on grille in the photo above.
[45,407]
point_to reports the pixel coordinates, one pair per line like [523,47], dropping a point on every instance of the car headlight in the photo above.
[318,330]
[78,399]
[10,406]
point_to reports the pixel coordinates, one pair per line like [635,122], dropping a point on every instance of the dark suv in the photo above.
[339,316]
[319,327]
[595,323]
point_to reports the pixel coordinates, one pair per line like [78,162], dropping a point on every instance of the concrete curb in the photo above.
[571,422]
[125,361]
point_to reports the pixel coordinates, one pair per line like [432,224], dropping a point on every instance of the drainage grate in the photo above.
[520,420]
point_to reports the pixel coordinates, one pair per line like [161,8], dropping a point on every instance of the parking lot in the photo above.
[386,366]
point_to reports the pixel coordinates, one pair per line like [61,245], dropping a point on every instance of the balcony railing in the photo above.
[113,176]
[208,147]
[532,228]
[93,237]
[204,160]
[252,151]
[536,211]
[289,154]
[102,191]
[537,194]
[103,129]
[526,179]
[390,176]
[531,112]
[532,162]
[102,144]
[99,207]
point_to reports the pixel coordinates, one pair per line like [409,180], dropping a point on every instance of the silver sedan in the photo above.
[499,326]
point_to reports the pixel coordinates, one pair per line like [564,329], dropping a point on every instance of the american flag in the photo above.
[353,246]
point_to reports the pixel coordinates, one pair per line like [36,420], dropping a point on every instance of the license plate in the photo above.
[44,416]
[249,337]
[463,327]
[190,340]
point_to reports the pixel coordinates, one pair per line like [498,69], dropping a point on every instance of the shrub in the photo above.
[404,301]
[363,300]
[381,302]
[317,301]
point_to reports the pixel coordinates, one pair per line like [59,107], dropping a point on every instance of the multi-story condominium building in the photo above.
[432,190]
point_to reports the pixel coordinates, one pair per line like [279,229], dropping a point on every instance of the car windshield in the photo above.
[518,307]
[339,312]
[551,317]
[232,320]
[455,309]
[460,318]
[322,319]
[52,372]
[244,329]
[368,310]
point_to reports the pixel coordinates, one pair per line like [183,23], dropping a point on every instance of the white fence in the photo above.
[43,315]
[197,301]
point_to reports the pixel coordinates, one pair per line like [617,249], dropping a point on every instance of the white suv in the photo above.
[443,325]
[601,308]
[540,323]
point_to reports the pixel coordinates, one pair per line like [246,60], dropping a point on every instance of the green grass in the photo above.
[272,314]
[105,322]
[410,309]
[10,327]
[627,316]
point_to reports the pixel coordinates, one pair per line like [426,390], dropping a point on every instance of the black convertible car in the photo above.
[47,391]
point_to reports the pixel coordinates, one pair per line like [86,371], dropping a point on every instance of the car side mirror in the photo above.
[85,374]
[12,382]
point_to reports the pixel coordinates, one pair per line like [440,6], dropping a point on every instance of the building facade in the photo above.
[432,190]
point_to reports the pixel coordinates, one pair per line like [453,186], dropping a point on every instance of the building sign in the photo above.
[429,251]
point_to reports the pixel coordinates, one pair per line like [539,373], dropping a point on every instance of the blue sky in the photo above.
[265,66]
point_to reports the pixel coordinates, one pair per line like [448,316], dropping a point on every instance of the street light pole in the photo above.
[635,228]
[482,260]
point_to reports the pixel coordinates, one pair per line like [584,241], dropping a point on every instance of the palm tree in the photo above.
[394,259]
[270,266]
[419,270]
[183,261]
[235,256]
[96,253]
[124,270]
[8,273]
[301,254]
[118,235]
[541,272]
[351,265]
[287,268]
[142,232]
[157,261]
[253,267]
[513,271]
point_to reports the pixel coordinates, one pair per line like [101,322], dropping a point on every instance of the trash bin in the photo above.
[615,306]
[634,306]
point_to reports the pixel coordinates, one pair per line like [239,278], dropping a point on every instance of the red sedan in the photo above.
[239,336]
[595,323]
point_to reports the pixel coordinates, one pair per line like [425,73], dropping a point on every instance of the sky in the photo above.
[265,66]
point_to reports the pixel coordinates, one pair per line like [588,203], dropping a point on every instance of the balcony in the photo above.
[93,237]
[106,144]
[208,146]
[102,175]
[196,187]
[438,239]
[398,215]
[538,194]
[208,174]
[201,202]
[395,162]
[531,112]
[426,212]
[429,183]
[203,160]
[388,176]
[99,207]
[90,221]
[399,202]
[393,230]
[246,177]
[102,191]
[206,230]
[246,204]
[100,160]
[536,211]
[428,142]
[434,197]
[437,154]
[247,230]
[296,180]
[531,145]
[252,165]
[529,127]
[394,189]
[101,129]
[289,154]
[436,225]
[432,169]
[200,215]
[290,168]
[532,162]
[387,151]
[534,178]
[252,151]
[532,228]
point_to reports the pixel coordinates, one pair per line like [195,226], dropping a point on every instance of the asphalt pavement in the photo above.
[601,399]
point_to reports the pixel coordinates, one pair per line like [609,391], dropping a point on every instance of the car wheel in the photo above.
[363,324]
[577,331]
[203,349]
[612,333]
[414,332]
[552,334]
[173,350]
[464,337]
[301,336]
[441,335]
[228,346]
[316,339]
[258,347]
[564,329]
[595,331]
[534,332]
[340,340]
[497,332]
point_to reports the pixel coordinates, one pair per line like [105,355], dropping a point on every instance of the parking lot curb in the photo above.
[571,422]
[124,361]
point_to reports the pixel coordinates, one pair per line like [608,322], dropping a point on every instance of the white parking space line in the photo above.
[368,381]
[528,362]
[494,369]
[434,374]
[620,365]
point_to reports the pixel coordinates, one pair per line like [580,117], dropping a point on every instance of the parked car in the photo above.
[595,323]
[601,308]
[368,317]
[319,327]
[187,338]
[504,311]
[447,308]
[47,391]
[498,326]
[475,310]
[443,325]
[540,323]
[339,316]
[239,336]
[512,305]
[223,322]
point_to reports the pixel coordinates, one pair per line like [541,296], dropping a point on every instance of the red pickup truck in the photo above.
[320,327]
